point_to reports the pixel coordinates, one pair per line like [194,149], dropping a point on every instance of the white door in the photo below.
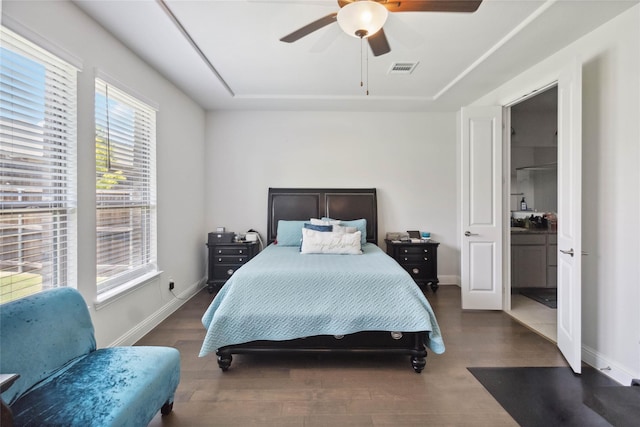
[570,215]
[481,232]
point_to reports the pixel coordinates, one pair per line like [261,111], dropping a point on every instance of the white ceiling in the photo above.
[460,56]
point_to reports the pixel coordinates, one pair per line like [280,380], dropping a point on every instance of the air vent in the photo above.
[403,67]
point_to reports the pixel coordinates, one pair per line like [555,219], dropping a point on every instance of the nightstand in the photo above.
[225,259]
[419,259]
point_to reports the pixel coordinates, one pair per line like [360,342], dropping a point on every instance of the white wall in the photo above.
[180,169]
[409,157]
[610,58]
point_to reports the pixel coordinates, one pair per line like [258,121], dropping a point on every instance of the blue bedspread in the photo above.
[282,294]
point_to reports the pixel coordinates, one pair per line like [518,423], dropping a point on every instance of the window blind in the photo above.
[125,187]
[37,168]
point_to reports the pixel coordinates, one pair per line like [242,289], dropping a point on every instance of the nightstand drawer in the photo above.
[223,272]
[230,250]
[412,259]
[230,259]
[419,272]
[412,250]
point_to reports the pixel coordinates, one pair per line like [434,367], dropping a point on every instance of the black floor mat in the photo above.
[546,296]
[618,405]
[547,396]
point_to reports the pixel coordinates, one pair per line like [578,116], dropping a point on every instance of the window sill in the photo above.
[112,295]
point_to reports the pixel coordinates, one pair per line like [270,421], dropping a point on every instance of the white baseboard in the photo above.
[448,280]
[611,369]
[143,328]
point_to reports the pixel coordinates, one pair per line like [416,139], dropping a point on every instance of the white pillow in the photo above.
[316,221]
[344,229]
[322,242]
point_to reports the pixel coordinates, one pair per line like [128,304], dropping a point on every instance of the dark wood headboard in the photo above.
[338,203]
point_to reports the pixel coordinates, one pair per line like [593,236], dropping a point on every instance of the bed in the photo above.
[287,301]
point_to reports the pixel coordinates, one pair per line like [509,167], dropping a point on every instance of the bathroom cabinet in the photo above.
[533,259]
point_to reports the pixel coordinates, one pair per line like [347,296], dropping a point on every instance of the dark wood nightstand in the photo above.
[225,259]
[419,259]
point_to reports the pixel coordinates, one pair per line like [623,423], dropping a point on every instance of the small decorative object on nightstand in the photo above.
[420,259]
[225,258]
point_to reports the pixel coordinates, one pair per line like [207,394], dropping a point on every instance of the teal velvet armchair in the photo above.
[48,339]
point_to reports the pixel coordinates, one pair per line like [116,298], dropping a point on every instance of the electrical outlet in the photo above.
[171,285]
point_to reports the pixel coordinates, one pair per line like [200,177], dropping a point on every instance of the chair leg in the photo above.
[166,408]
[7,415]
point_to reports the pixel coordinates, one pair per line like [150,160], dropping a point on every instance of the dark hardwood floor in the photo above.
[348,390]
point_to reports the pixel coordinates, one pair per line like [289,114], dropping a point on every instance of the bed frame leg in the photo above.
[419,356]
[418,363]
[224,360]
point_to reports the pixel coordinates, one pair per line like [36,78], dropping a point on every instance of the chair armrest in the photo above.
[7,380]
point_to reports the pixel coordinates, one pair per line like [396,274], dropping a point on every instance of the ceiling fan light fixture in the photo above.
[362,19]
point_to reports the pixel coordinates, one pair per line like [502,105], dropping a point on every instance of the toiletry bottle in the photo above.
[523,205]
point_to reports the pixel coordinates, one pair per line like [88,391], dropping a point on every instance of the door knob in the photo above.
[567,252]
[468,233]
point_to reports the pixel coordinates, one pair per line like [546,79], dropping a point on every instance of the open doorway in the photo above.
[533,206]
[485,268]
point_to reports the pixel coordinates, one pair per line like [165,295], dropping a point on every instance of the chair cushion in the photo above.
[118,386]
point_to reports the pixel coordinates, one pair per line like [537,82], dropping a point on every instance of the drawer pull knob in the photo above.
[230,271]
[219,259]
[406,259]
[426,251]
[396,335]
[219,251]
[416,270]
[406,251]
[426,259]
[240,251]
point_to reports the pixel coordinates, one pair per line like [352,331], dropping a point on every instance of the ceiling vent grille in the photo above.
[403,67]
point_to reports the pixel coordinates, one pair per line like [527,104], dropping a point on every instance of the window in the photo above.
[37,168]
[125,188]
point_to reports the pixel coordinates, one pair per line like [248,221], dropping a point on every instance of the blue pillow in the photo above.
[289,232]
[318,227]
[359,224]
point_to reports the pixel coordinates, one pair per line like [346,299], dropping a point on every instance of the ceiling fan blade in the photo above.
[310,28]
[378,43]
[425,5]
[432,5]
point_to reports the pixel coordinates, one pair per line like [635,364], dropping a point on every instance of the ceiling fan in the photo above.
[365,18]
